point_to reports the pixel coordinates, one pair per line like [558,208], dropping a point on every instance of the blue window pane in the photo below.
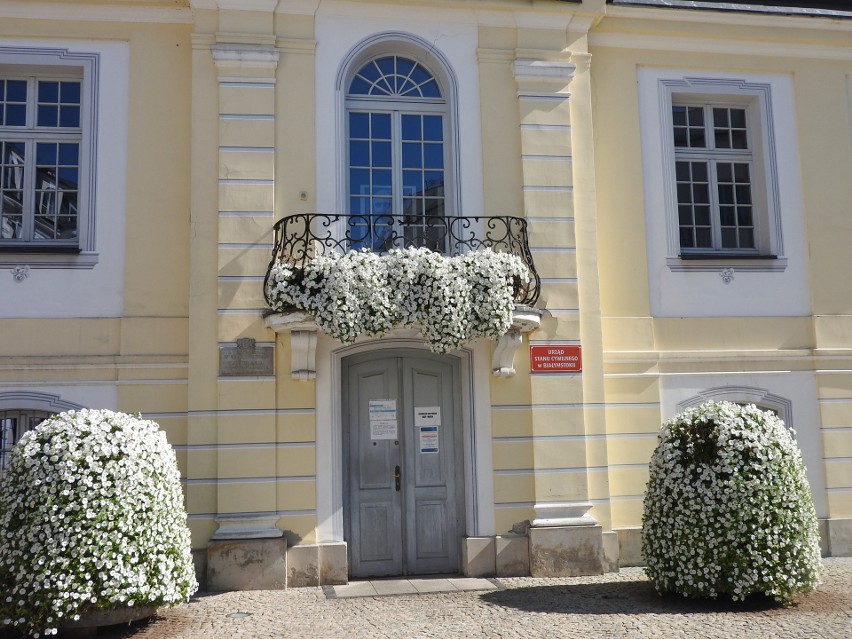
[69,154]
[359,181]
[404,66]
[381,182]
[70,92]
[412,182]
[411,156]
[381,154]
[68,178]
[381,205]
[2,90]
[359,206]
[16,115]
[420,75]
[359,125]
[359,153]
[435,182]
[48,115]
[381,126]
[46,154]
[69,116]
[48,92]
[411,129]
[359,87]
[430,89]
[434,206]
[16,91]
[433,155]
[13,153]
[370,72]
[433,128]
[386,65]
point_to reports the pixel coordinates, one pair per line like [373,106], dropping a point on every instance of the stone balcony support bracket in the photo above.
[303,340]
[524,320]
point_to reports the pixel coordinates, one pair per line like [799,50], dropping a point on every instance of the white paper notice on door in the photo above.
[427,416]
[427,420]
[428,439]
[382,419]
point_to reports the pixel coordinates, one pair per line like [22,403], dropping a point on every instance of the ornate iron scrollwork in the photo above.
[298,238]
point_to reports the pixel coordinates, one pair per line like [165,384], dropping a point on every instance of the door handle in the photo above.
[397,476]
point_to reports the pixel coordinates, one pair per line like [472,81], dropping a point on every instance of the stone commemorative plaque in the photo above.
[246,358]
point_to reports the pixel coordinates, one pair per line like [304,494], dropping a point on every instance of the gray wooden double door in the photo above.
[403,456]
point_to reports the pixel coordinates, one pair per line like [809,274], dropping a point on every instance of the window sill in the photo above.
[713,263]
[40,258]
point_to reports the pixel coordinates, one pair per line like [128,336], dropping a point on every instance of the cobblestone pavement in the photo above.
[621,605]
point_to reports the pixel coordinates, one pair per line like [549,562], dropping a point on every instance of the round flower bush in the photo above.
[728,508]
[91,517]
[452,299]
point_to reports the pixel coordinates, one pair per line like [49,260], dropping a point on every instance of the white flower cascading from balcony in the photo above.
[451,299]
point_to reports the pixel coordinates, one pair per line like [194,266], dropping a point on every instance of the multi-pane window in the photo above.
[13,424]
[396,121]
[40,155]
[714,171]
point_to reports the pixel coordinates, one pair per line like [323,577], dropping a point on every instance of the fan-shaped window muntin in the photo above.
[394,76]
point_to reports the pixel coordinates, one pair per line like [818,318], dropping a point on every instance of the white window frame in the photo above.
[56,63]
[756,98]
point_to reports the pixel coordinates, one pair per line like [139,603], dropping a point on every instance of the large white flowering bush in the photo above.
[728,508]
[452,299]
[91,517]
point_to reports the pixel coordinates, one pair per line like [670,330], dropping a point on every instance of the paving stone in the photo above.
[433,585]
[472,584]
[394,587]
[619,605]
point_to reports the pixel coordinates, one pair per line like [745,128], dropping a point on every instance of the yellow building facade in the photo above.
[149,148]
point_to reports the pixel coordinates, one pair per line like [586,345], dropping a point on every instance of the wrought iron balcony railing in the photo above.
[298,238]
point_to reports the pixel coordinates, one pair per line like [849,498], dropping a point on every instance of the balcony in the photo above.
[298,238]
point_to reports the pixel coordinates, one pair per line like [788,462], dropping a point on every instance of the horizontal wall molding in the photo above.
[277,513]
[247,480]
[276,445]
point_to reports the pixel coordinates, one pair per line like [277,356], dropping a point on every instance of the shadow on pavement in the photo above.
[615,598]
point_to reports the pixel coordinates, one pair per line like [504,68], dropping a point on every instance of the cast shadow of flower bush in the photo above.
[629,597]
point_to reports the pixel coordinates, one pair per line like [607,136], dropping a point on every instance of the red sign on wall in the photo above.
[555,359]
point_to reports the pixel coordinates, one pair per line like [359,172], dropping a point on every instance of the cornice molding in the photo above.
[551,72]
[79,12]
[297,45]
[703,16]
[495,56]
[719,46]
[235,56]
[235,5]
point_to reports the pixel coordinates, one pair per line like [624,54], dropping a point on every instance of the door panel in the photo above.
[375,504]
[413,526]
[433,526]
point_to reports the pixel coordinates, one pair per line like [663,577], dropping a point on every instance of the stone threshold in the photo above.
[419,586]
